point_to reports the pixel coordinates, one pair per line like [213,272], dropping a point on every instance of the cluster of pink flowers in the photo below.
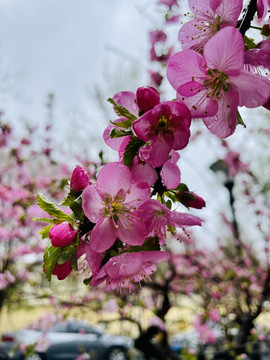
[120,221]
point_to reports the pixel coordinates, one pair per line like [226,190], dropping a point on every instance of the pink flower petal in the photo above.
[200,104]
[156,154]
[185,66]
[114,177]
[253,89]
[170,172]
[224,122]
[127,100]
[229,11]
[194,34]
[103,235]
[92,203]
[131,229]
[202,9]
[183,219]
[225,51]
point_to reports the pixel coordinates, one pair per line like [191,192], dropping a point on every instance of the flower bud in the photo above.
[62,234]
[79,179]
[147,97]
[62,271]
[190,199]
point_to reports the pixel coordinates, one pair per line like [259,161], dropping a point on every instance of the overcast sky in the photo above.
[65,47]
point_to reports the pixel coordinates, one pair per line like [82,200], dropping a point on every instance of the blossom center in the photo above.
[114,207]
[163,124]
[216,82]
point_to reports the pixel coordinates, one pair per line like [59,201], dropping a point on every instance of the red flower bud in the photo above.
[147,97]
[62,234]
[79,179]
[190,199]
[62,271]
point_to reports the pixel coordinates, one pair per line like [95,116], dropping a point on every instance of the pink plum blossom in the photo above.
[213,85]
[165,127]
[158,219]
[210,17]
[121,270]
[112,204]
[157,36]
[155,78]
[169,3]
[62,234]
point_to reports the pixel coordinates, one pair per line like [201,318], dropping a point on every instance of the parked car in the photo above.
[66,340]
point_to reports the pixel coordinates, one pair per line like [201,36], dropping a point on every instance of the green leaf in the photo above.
[240,120]
[45,232]
[74,262]
[131,150]
[123,124]
[76,207]
[169,204]
[249,43]
[52,209]
[116,133]
[69,199]
[47,220]
[122,111]
[63,257]
[50,258]
[182,187]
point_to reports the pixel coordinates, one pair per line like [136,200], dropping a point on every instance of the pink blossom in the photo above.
[62,234]
[158,219]
[121,270]
[262,8]
[163,57]
[210,17]
[169,3]
[166,127]
[112,204]
[155,78]
[79,179]
[171,19]
[157,36]
[214,85]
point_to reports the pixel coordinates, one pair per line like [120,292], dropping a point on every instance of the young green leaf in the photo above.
[52,209]
[50,258]
[131,150]
[122,111]
[45,232]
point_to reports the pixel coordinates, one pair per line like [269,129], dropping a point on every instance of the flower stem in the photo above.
[245,23]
